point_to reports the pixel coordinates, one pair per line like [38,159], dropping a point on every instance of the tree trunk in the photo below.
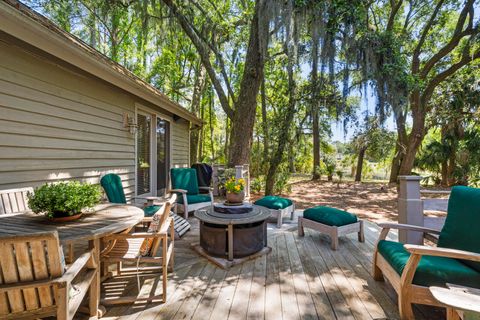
[198,89]
[451,166]
[415,137]
[358,171]
[283,137]
[266,138]
[244,117]
[315,105]
[400,146]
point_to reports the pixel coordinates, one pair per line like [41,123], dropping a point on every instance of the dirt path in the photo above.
[373,201]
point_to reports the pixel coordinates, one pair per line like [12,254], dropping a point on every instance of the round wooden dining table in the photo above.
[105,219]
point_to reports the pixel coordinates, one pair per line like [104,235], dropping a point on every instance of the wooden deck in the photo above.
[300,279]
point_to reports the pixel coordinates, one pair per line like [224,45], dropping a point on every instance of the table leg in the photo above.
[94,297]
[230,242]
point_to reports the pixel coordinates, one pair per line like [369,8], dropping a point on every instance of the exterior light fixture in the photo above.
[129,122]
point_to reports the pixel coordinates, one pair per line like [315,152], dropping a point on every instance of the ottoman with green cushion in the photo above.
[278,206]
[334,222]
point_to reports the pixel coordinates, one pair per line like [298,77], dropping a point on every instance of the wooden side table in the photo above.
[460,300]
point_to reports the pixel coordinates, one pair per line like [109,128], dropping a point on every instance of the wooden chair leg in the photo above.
[164,268]
[71,254]
[301,231]
[62,307]
[361,235]
[452,314]
[279,218]
[292,214]
[405,306]
[376,271]
[334,237]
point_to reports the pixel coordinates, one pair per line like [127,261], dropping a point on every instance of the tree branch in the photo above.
[202,49]
[466,59]
[456,37]
[426,30]
[393,13]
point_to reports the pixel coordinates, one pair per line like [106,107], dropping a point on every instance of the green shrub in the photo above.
[64,198]
[256,184]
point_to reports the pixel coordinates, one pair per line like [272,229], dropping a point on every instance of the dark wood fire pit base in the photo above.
[225,263]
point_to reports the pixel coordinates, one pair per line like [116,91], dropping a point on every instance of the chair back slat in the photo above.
[14,200]
[9,269]
[4,310]
[40,270]
[26,259]
[25,273]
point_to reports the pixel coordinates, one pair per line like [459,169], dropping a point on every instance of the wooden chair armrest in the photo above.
[442,252]
[400,226]
[75,268]
[178,190]
[134,235]
[206,188]
[164,228]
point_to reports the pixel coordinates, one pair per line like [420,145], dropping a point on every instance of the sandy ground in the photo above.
[373,201]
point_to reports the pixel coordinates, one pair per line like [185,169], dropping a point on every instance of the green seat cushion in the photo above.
[463,214]
[431,271]
[185,178]
[194,198]
[112,184]
[273,202]
[150,210]
[330,216]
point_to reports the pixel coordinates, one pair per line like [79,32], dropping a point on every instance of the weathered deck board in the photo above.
[300,279]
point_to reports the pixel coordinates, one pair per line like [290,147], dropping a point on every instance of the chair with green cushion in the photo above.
[185,184]
[112,184]
[412,269]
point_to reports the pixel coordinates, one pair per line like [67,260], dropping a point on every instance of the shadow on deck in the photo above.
[300,278]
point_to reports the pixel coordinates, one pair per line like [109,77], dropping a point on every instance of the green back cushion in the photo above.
[273,202]
[463,220]
[431,271]
[194,198]
[184,178]
[150,210]
[330,216]
[112,184]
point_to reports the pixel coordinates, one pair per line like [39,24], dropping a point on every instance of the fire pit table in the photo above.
[232,234]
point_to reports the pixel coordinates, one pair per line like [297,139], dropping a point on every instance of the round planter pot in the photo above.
[67,218]
[235,197]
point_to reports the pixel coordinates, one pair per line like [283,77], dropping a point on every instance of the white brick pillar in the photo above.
[410,208]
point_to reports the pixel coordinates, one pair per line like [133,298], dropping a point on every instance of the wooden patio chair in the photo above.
[16,201]
[185,183]
[142,247]
[112,184]
[412,269]
[33,280]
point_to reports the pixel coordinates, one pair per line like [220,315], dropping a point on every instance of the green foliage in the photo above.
[256,184]
[64,198]
[281,183]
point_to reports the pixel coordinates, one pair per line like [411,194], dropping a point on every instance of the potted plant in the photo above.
[235,190]
[64,201]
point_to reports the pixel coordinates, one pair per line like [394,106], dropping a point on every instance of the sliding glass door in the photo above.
[152,154]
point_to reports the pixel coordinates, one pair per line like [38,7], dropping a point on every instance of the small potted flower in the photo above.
[235,190]
[64,201]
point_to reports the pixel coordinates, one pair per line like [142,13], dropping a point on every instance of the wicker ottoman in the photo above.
[331,221]
[278,206]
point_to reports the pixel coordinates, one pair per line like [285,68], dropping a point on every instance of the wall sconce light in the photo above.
[129,122]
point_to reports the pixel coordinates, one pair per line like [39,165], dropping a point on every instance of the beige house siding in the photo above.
[57,123]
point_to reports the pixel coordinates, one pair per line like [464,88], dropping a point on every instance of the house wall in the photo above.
[57,123]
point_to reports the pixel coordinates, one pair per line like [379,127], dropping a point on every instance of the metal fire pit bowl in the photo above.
[233,235]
